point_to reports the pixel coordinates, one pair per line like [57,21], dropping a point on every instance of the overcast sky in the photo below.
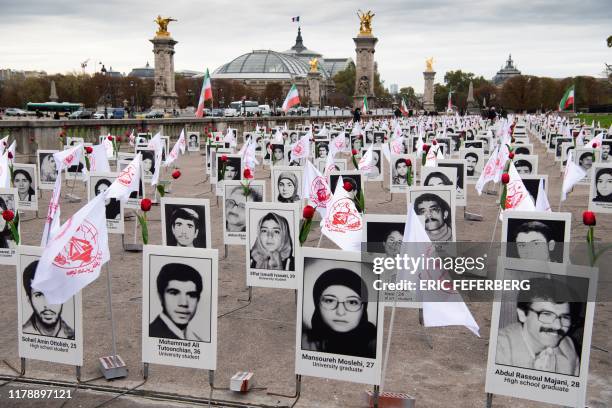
[555,38]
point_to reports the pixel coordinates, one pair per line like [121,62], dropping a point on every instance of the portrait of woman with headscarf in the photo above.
[340,324]
[288,188]
[273,247]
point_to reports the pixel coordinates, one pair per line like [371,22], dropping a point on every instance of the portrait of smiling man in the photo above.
[179,288]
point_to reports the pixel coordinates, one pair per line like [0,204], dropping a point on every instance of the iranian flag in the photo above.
[403,107]
[568,99]
[292,99]
[205,95]
[365,104]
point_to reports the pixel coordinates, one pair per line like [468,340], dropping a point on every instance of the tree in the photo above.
[345,81]
[408,94]
[273,93]
[521,93]
[440,97]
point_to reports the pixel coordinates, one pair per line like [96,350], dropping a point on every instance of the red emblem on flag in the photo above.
[319,193]
[343,216]
[81,251]
[126,176]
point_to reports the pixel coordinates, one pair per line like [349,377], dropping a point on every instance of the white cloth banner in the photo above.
[542,203]
[571,176]
[179,146]
[315,188]
[343,224]
[127,181]
[98,161]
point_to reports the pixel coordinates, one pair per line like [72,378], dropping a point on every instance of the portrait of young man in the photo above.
[537,235]
[185,225]
[435,212]
[179,288]
[46,319]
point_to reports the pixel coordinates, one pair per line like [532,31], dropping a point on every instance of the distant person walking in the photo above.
[357,115]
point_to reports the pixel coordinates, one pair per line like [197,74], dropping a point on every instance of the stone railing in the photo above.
[32,135]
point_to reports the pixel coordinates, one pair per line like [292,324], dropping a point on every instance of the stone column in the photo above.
[428,93]
[314,86]
[164,95]
[365,69]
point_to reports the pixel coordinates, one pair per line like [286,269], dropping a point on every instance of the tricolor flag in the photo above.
[568,99]
[292,99]
[403,107]
[205,95]
[365,104]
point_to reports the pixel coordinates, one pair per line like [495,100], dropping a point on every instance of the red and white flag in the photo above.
[230,138]
[316,188]
[337,145]
[595,143]
[397,145]
[74,256]
[156,143]
[571,176]
[366,163]
[489,171]
[98,161]
[179,146]
[108,146]
[517,195]
[301,148]
[127,181]
[13,149]
[292,99]
[132,138]
[343,223]
[205,95]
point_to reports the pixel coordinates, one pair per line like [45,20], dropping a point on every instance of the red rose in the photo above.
[145,204]
[511,155]
[10,155]
[354,152]
[88,149]
[247,174]
[118,139]
[217,138]
[8,215]
[127,133]
[505,178]
[594,145]
[176,174]
[434,142]
[348,186]
[223,158]
[425,148]
[408,162]
[588,218]
[110,138]
[308,212]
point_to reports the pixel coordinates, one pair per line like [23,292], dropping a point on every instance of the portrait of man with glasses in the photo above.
[547,330]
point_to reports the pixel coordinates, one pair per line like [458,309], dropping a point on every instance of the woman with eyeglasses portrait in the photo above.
[340,322]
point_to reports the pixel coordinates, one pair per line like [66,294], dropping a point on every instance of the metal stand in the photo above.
[211,383]
[427,338]
[23,366]
[72,198]
[489,402]
[145,371]
[134,246]
[298,390]
[112,366]
[224,252]
[376,396]
[471,216]
[78,373]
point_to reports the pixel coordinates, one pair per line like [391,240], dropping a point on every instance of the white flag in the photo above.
[595,143]
[5,173]
[301,148]
[315,188]
[98,161]
[247,153]
[517,195]
[440,308]
[157,144]
[277,138]
[431,159]
[74,256]
[108,146]
[132,138]
[489,171]
[397,145]
[366,163]
[127,181]
[3,143]
[12,150]
[542,203]
[178,146]
[230,138]
[342,223]
[573,174]
[338,144]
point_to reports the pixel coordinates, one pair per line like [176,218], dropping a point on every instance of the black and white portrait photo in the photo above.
[339,315]
[542,332]
[559,146]
[523,149]
[444,143]
[538,235]
[606,146]
[193,141]
[526,164]
[25,181]
[353,178]
[532,184]
[8,246]
[98,184]
[474,163]
[379,138]
[47,169]
[435,208]
[272,244]
[148,163]
[600,197]
[321,149]
[180,304]
[185,222]
[585,158]
[41,320]
[399,172]
[339,165]
[75,172]
[473,144]
[486,143]
[277,154]
[287,184]
[460,166]
[235,197]
[375,173]
[233,167]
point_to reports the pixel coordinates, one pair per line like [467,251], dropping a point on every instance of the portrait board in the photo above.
[98,183]
[354,177]
[540,338]
[538,235]
[75,172]
[398,169]
[176,332]
[25,182]
[441,176]
[73,140]
[233,167]
[321,149]
[287,184]
[526,148]
[185,222]
[234,208]
[8,247]
[526,164]
[486,143]
[473,144]
[148,163]
[278,157]
[212,158]
[532,184]
[559,141]
[435,208]
[193,141]
[566,149]
[474,163]
[273,245]
[133,201]
[585,158]
[339,165]
[349,349]
[600,193]
[444,143]
[384,235]
[375,173]
[46,332]
[606,150]
[47,169]
[461,195]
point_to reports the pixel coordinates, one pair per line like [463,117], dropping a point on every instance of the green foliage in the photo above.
[604,120]
[161,190]
[305,230]
[142,220]
[345,80]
